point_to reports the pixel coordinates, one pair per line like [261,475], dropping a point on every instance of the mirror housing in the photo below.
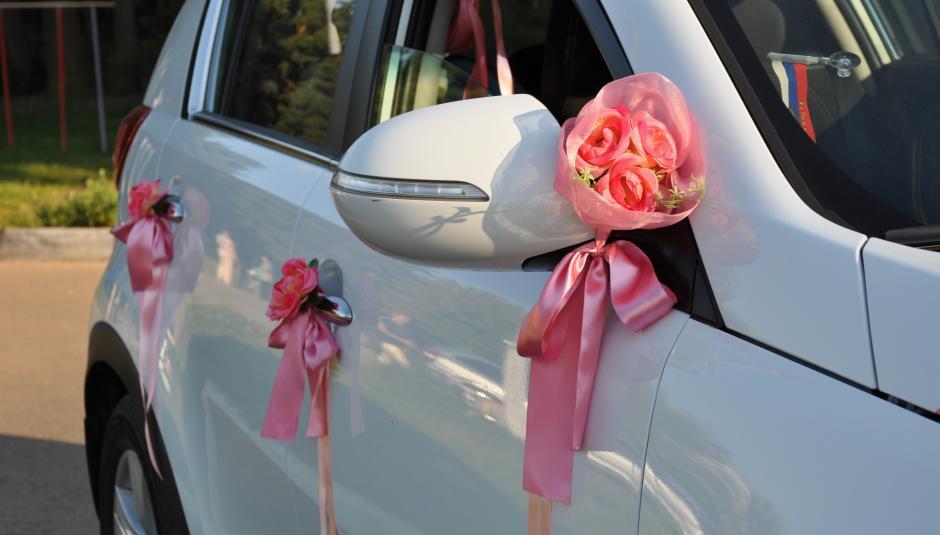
[467,184]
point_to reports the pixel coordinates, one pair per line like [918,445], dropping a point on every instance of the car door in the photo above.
[903,285]
[775,421]
[429,400]
[254,141]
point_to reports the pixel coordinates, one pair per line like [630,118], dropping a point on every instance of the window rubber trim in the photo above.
[376,30]
[346,75]
[225,79]
[184,111]
[269,138]
[602,30]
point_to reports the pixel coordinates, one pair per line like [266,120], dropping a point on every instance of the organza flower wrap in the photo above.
[647,93]
[630,160]
[309,347]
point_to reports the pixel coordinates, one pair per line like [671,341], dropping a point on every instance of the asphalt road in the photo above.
[44,309]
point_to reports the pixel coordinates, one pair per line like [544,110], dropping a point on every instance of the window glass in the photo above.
[852,88]
[413,79]
[550,51]
[279,63]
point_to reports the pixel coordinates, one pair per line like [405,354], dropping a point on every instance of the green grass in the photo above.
[35,172]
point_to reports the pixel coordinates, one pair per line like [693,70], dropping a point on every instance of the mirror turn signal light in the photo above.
[407,189]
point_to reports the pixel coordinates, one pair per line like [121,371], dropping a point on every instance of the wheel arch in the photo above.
[109,376]
[112,374]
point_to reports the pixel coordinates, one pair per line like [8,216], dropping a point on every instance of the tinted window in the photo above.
[852,89]
[551,53]
[279,63]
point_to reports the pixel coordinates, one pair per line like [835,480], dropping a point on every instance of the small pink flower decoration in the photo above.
[298,304]
[142,198]
[149,240]
[298,282]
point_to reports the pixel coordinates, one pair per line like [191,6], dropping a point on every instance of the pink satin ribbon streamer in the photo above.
[466,30]
[562,334]
[308,346]
[149,252]
[540,515]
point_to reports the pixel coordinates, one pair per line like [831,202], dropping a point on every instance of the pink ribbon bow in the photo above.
[149,252]
[308,346]
[562,334]
[466,30]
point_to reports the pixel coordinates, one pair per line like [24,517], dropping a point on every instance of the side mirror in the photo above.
[466,184]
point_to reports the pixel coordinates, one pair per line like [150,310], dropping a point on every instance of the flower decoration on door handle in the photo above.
[631,159]
[301,307]
[149,253]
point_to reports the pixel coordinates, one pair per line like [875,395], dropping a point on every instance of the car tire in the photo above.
[145,504]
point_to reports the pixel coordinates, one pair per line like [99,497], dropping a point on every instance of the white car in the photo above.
[792,390]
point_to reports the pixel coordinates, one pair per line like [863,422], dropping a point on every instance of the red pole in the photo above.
[63,138]
[7,107]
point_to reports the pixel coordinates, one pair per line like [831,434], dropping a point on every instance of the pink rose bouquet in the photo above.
[631,158]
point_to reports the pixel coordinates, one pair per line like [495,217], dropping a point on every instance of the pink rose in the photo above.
[299,266]
[606,135]
[142,197]
[630,184]
[288,294]
[653,141]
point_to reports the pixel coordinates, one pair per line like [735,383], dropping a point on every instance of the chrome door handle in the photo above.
[338,311]
[171,208]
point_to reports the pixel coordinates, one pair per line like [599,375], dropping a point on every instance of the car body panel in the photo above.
[167,88]
[744,440]
[782,274]
[903,286]
[242,200]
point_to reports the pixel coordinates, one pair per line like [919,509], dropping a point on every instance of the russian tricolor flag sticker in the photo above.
[794,90]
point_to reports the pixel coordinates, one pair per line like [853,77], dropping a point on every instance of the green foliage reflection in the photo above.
[285,77]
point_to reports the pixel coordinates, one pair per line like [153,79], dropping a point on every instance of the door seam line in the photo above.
[871,344]
[649,429]
[300,212]
[163,142]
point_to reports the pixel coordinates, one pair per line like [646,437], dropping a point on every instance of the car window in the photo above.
[851,88]
[550,51]
[278,64]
